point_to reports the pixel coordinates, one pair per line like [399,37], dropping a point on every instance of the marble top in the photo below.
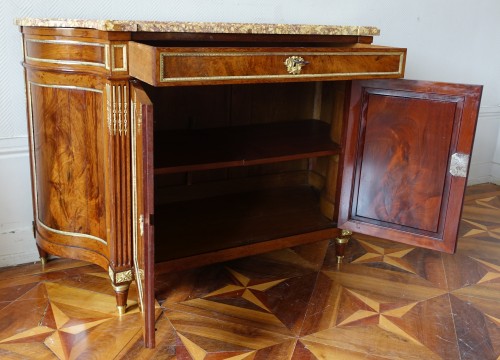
[201,27]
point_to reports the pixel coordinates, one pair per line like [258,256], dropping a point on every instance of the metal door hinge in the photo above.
[139,274]
[141,224]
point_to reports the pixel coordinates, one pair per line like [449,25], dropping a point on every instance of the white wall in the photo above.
[458,43]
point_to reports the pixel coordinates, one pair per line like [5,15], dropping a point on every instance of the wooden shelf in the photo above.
[204,149]
[197,227]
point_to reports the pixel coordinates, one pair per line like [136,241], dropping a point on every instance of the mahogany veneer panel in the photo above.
[398,181]
[65,166]
[203,149]
[393,149]
[201,226]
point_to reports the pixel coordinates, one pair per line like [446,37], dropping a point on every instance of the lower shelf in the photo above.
[249,222]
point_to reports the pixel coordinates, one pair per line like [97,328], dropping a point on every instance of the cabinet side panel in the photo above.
[69,174]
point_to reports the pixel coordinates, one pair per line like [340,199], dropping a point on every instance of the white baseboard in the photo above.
[486,142]
[479,173]
[480,180]
[18,247]
[495,173]
[13,146]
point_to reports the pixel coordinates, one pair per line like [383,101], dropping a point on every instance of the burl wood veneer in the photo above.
[165,146]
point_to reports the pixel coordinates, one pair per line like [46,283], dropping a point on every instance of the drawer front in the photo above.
[65,52]
[76,54]
[213,65]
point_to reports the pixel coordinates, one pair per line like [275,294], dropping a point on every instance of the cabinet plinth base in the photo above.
[340,245]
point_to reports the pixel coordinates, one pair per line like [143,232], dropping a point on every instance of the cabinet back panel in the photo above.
[202,184]
[195,107]
[230,185]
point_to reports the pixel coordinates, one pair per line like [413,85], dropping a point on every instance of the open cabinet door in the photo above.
[143,206]
[407,151]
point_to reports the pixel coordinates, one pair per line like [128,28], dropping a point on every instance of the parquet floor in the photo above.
[389,301]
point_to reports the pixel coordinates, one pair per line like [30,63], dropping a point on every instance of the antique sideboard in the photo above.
[158,146]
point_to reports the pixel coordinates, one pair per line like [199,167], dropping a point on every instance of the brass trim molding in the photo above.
[70,87]
[281,53]
[67,42]
[125,110]
[33,162]
[106,57]
[164,78]
[124,57]
[108,107]
[69,233]
[65,62]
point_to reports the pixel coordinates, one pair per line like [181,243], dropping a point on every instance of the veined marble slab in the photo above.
[201,27]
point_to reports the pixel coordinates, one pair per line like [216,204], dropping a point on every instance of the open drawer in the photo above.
[167,66]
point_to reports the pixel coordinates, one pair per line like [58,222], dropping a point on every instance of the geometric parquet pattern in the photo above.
[387,301]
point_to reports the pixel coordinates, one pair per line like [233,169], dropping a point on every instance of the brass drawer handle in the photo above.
[294,64]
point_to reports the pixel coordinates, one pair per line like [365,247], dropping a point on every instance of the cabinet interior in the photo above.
[242,164]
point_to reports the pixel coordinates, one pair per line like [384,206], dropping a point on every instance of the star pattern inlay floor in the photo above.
[387,301]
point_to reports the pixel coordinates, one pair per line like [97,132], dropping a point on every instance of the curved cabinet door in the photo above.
[143,206]
[406,160]
[68,155]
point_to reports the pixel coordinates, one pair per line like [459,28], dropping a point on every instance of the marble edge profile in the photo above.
[202,27]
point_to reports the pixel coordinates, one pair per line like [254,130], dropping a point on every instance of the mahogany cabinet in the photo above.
[161,146]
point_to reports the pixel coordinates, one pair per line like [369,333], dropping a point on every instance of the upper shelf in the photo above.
[201,27]
[204,149]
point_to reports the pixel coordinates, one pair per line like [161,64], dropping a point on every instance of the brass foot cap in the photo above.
[121,309]
[43,261]
[341,241]
[340,259]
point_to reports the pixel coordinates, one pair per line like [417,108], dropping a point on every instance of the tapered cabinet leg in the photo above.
[121,293]
[121,283]
[43,255]
[341,244]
